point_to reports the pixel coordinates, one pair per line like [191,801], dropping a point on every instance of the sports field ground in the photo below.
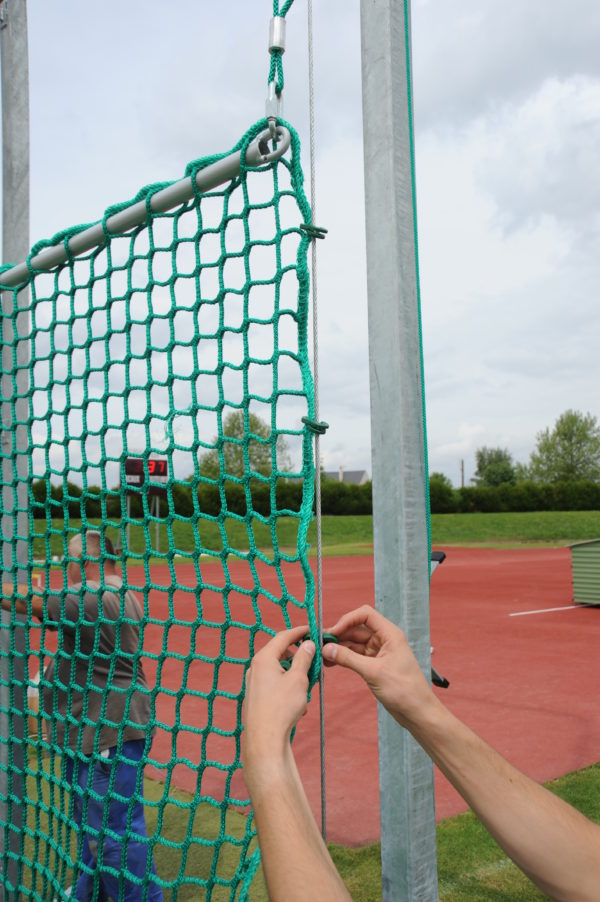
[520,660]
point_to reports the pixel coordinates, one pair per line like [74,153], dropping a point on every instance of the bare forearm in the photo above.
[11,602]
[555,845]
[296,862]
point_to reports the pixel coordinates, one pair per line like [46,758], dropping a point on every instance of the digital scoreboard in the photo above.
[158,474]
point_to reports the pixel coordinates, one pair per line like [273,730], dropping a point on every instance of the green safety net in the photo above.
[182,341]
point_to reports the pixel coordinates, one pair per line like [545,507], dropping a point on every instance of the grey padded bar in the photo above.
[166,199]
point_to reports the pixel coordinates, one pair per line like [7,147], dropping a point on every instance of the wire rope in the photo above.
[311,107]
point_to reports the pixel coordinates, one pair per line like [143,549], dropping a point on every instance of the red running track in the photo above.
[525,683]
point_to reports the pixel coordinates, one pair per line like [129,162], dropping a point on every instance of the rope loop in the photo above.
[277,51]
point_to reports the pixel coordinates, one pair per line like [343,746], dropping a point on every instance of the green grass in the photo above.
[204,823]
[350,535]
[184,855]
[471,867]
[341,535]
[498,530]
[470,864]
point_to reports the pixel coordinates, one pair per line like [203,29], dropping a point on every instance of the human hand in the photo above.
[379,652]
[11,602]
[276,698]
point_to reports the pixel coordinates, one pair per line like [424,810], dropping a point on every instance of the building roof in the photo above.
[351,477]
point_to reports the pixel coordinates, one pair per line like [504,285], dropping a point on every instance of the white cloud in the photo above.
[470,58]
[543,156]
[506,107]
[468,435]
[507,214]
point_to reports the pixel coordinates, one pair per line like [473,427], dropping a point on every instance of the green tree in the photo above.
[236,438]
[495,466]
[443,498]
[46,497]
[570,452]
[522,473]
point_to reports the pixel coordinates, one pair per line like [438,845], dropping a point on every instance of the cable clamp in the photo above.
[315,427]
[313,231]
[277,35]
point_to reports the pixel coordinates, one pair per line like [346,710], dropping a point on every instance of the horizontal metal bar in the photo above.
[212,176]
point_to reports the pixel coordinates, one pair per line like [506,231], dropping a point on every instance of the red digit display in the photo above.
[135,466]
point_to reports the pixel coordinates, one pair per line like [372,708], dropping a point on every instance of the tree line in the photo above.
[188,501]
[570,452]
[563,473]
[518,496]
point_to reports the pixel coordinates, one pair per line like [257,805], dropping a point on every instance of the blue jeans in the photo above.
[125,818]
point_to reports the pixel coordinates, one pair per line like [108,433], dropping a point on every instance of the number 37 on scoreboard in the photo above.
[158,473]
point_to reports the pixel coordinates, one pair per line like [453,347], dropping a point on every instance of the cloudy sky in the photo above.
[507,114]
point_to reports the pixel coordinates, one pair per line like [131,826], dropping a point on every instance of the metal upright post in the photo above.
[157,515]
[14,340]
[409,869]
[128,526]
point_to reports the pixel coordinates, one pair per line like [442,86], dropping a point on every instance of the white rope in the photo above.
[311,105]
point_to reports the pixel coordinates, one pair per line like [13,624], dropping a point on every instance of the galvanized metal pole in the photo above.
[15,357]
[128,552]
[409,869]
[157,528]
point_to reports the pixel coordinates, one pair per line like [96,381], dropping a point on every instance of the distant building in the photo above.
[350,477]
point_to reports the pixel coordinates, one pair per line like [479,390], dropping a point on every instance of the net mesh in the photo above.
[183,341]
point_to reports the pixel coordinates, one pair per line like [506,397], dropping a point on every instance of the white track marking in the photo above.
[568,607]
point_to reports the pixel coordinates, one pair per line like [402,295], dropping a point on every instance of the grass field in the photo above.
[348,535]
[471,867]
[514,529]
[185,856]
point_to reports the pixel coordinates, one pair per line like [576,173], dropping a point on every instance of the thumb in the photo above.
[304,656]
[345,657]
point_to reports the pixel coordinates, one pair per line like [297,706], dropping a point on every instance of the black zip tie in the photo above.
[313,231]
[314,426]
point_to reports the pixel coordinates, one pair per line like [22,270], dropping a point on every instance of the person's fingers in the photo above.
[278,645]
[303,658]
[359,647]
[365,616]
[358,636]
[345,657]
[353,618]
